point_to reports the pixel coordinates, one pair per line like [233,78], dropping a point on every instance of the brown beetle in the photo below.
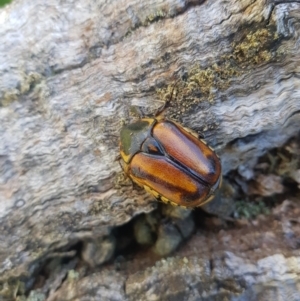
[170,161]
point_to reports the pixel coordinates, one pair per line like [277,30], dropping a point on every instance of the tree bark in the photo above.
[70,70]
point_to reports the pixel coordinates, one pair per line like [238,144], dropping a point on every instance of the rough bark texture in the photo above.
[70,71]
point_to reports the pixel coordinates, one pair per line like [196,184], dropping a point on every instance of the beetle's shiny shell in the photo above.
[170,162]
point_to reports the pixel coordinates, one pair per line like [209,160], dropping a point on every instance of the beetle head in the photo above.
[132,137]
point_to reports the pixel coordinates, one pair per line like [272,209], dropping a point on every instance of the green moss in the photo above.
[4,2]
[72,275]
[250,210]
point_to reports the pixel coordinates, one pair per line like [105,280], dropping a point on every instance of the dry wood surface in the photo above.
[70,72]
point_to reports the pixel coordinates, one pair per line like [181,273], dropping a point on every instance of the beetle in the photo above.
[169,161]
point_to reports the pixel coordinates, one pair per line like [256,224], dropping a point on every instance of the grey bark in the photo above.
[70,70]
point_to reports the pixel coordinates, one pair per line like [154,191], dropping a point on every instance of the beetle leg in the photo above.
[161,110]
[221,181]
[201,135]
[212,192]
[167,103]
[118,158]
[210,198]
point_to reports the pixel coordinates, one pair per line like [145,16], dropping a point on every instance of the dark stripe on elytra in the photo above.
[143,174]
[188,171]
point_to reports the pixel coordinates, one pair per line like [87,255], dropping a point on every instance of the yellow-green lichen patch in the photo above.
[28,83]
[154,17]
[256,47]
[200,84]
[250,48]
[72,275]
